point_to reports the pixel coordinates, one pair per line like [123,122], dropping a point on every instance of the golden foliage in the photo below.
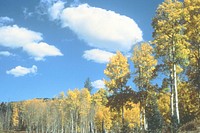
[144,62]
[118,72]
[188,102]
[15,115]
[164,106]
[132,114]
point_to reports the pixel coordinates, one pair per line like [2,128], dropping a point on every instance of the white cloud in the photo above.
[101,28]
[44,5]
[97,55]
[22,71]
[27,13]
[16,37]
[6,53]
[98,84]
[56,9]
[40,50]
[5,20]
[29,41]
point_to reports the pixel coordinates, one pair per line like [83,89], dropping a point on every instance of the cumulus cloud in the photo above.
[98,84]
[44,6]
[6,53]
[97,55]
[56,9]
[16,37]
[101,28]
[22,71]
[5,20]
[29,41]
[40,50]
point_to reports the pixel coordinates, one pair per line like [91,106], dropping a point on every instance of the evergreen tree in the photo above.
[88,85]
[154,117]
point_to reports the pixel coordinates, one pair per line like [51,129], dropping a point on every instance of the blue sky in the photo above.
[50,46]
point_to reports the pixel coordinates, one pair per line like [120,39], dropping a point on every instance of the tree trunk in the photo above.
[198,78]
[198,68]
[175,83]
[103,128]
[141,125]
[141,100]
[91,127]
[72,123]
[176,93]
[172,94]
[122,115]
[145,122]
[171,77]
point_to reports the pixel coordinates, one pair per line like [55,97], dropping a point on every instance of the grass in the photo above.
[193,127]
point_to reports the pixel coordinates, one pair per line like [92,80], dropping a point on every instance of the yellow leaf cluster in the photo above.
[73,98]
[15,114]
[188,100]
[169,31]
[132,114]
[103,115]
[100,98]
[144,62]
[117,71]
[164,106]
[85,102]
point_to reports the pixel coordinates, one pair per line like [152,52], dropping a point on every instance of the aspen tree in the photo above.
[118,72]
[15,115]
[191,17]
[144,64]
[171,45]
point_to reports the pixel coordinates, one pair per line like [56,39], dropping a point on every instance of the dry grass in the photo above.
[12,131]
[190,127]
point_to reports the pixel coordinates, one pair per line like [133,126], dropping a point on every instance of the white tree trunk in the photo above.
[176,93]
[141,125]
[72,123]
[172,93]
[198,67]
[145,122]
[175,84]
